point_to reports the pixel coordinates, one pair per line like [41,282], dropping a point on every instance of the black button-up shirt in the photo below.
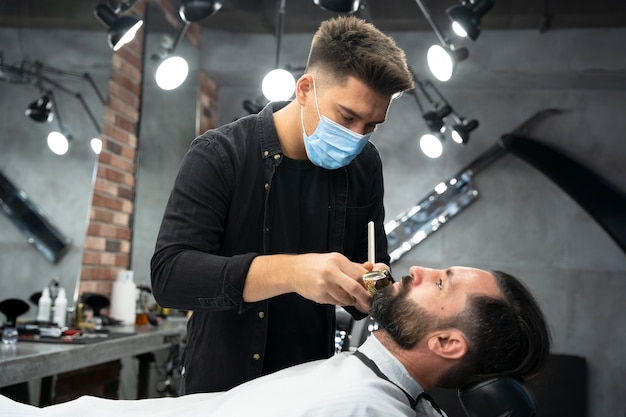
[216,222]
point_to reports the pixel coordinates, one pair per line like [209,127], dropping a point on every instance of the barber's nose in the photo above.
[359,130]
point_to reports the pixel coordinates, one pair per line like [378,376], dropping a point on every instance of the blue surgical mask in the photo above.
[332,145]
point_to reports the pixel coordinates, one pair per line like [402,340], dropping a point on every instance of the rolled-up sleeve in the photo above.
[189,269]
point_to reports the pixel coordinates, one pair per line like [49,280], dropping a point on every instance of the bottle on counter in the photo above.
[124,298]
[60,308]
[44,305]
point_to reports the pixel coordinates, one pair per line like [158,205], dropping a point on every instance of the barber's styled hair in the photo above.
[346,46]
[505,337]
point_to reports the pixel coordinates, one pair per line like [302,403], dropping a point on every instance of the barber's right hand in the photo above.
[331,278]
[326,278]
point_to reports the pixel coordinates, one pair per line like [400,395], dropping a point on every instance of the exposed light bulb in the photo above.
[129,35]
[440,62]
[431,146]
[458,29]
[171,73]
[58,143]
[278,85]
[96,145]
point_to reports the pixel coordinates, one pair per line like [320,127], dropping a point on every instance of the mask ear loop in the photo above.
[317,107]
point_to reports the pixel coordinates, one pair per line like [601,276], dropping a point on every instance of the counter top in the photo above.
[30,360]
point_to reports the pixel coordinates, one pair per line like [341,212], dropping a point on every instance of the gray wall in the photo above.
[522,222]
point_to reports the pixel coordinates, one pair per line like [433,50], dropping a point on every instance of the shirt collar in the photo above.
[268,138]
[390,366]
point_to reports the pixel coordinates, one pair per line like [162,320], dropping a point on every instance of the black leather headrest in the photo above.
[498,397]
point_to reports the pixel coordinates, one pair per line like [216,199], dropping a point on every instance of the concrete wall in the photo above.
[522,223]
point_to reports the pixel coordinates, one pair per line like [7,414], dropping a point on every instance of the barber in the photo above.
[265,230]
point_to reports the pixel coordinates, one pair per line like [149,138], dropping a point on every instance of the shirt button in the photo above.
[265,153]
[267,186]
[277,156]
[256,356]
[261,314]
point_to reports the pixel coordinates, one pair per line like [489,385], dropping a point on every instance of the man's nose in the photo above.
[421,274]
[418,273]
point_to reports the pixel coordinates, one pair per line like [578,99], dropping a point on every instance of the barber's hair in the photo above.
[346,46]
[505,337]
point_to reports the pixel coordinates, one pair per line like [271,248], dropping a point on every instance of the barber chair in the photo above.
[502,396]
[343,330]
[498,397]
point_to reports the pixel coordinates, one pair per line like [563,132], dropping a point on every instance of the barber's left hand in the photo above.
[379,266]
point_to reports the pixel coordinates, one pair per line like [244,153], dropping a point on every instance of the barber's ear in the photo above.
[448,343]
[304,88]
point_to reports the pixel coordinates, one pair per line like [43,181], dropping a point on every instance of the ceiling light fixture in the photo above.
[339,6]
[431,143]
[120,29]
[461,129]
[466,17]
[436,119]
[196,10]
[58,140]
[443,58]
[172,70]
[278,84]
[40,110]
[45,108]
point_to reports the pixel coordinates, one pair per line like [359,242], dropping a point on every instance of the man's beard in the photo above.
[405,321]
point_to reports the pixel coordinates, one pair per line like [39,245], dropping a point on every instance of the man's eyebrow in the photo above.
[357,115]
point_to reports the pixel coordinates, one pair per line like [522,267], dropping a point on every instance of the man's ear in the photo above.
[448,343]
[304,88]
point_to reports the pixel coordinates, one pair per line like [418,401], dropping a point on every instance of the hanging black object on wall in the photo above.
[39,232]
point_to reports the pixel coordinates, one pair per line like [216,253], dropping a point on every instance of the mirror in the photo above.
[27,217]
[168,125]
[59,186]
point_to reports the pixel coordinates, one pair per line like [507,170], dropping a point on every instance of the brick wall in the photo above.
[206,114]
[109,234]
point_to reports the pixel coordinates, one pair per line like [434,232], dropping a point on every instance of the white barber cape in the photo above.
[340,386]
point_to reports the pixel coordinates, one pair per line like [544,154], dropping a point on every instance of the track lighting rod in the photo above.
[71,74]
[442,39]
[35,74]
[280,19]
[180,35]
[122,7]
[75,94]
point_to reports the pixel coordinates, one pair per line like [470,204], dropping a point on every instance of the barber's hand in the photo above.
[331,278]
[376,267]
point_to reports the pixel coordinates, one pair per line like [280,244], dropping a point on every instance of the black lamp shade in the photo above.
[434,118]
[123,31]
[461,131]
[105,14]
[40,110]
[469,16]
[339,6]
[196,10]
